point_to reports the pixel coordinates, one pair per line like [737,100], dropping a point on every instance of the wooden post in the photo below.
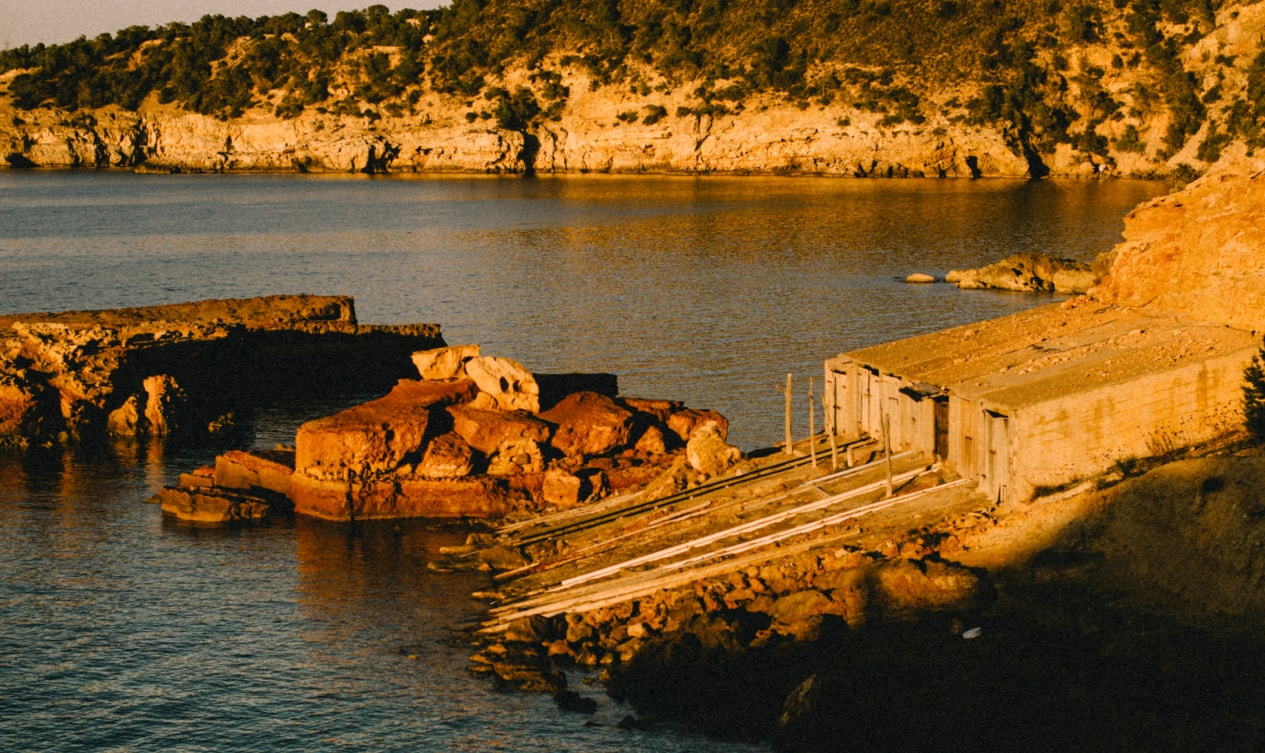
[789,450]
[887,450]
[812,423]
[828,425]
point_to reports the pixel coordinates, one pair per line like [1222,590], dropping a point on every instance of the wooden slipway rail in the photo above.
[626,548]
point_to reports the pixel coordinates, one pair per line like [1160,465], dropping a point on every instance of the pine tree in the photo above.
[1254,397]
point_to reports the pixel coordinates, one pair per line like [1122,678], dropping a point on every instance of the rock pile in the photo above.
[476,437]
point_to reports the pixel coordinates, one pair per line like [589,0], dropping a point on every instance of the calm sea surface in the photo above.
[122,632]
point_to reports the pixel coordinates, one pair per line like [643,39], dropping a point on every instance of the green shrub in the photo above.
[1254,397]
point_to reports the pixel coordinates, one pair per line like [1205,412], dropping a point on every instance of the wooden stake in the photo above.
[812,423]
[830,428]
[789,449]
[887,450]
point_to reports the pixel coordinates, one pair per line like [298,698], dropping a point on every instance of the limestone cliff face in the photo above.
[775,140]
[169,139]
[1196,252]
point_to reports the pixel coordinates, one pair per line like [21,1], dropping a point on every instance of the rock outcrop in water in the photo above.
[477,437]
[158,370]
[1029,273]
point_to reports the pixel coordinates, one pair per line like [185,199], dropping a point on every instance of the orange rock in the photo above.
[685,422]
[212,506]
[377,436]
[589,424]
[447,456]
[164,399]
[660,409]
[269,470]
[399,497]
[488,430]
[515,457]
[444,363]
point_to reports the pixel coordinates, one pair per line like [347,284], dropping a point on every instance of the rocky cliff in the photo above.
[1196,252]
[776,140]
[1142,90]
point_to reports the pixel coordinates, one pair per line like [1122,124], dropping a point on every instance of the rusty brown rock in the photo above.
[212,506]
[589,424]
[488,430]
[516,457]
[447,456]
[268,470]
[562,489]
[399,497]
[377,436]
[125,420]
[659,409]
[652,441]
[685,422]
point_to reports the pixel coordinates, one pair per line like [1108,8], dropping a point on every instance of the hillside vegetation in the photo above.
[1103,77]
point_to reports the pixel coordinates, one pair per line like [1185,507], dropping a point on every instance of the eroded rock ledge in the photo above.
[156,370]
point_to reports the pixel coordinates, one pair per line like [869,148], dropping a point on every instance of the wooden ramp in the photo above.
[625,549]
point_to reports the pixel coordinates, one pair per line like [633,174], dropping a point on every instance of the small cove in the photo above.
[127,633]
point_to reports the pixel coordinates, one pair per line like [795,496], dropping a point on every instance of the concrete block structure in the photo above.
[1043,398]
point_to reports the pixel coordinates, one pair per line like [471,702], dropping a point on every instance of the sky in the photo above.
[58,21]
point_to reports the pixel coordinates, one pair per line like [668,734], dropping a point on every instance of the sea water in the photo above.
[120,631]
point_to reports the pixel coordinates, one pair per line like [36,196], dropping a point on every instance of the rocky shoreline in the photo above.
[84,376]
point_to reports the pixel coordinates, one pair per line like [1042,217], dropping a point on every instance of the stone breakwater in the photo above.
[194,367]
[475,437]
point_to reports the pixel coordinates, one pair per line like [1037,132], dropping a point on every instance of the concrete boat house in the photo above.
[1151,360]
[1044,398]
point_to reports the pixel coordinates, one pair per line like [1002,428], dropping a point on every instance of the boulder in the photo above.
[920,278]
[506,380]
[374,437]
[488,430]
[589,424]
[447,456]
[516,457]
[212,506]
[926,585]
[1195,253]
[652,441]
[259,470]
[659,409]
[198,478]
[562,489]
[685,422]
[708,453]
[444,363]
[554,387]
